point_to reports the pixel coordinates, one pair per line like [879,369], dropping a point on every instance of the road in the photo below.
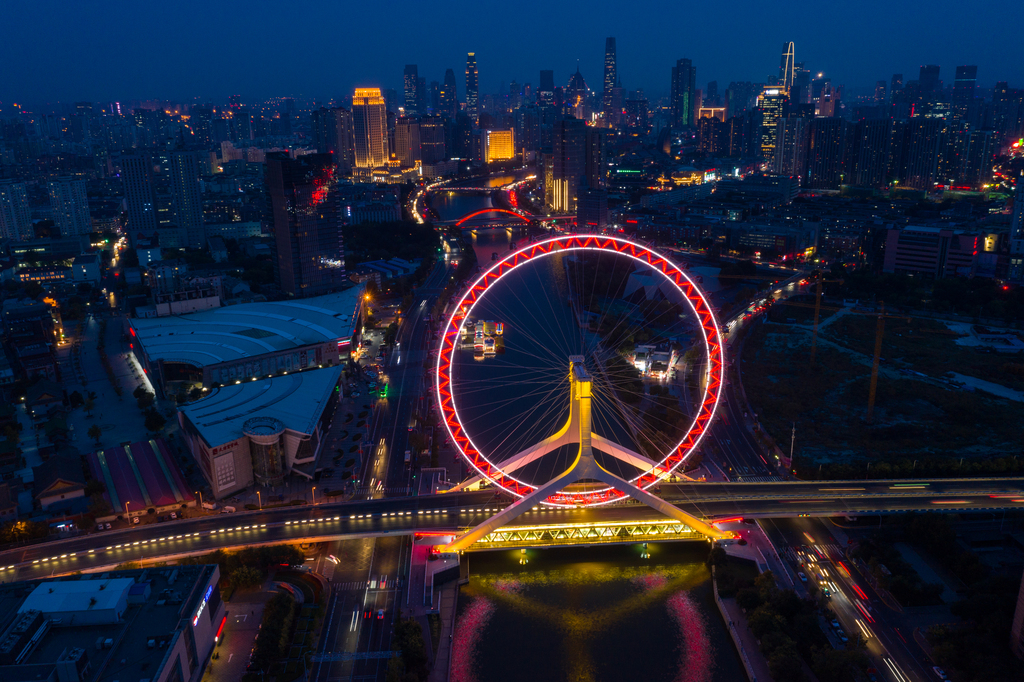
[810,544]
[366,595]
[402,516]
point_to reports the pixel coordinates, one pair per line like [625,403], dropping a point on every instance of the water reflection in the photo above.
[571,617]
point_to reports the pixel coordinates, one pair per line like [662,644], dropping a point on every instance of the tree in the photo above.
[89,405]
[246,576]
[143,397]
[95,432]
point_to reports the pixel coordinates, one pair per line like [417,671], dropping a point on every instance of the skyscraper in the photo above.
[163,192]
[683,93]
[772,104]
[963,92]
[568,163]
[929,79]
[546,89]
[879,92]
[70,206]
[611,77]
[448,96]
[791,147]
[187,196]
[787,66]
[412,84]
[15,216]
[407,141]
[309,251]
[370,128]
[872,145]
[925,139]
[332,134]
[895,87]
[432,144]
[826,147]
[472,88]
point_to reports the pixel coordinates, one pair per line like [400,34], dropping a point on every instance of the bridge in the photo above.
[455,513]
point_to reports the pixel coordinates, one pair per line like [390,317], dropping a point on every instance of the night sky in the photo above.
[104,50]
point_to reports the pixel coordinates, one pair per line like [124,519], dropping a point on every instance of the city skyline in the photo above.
[856,52]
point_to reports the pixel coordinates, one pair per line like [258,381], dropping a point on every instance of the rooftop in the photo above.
[249,330]
[296,400]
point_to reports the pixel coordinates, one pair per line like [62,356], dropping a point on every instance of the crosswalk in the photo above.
[360,585]
[831,550]
[759,479]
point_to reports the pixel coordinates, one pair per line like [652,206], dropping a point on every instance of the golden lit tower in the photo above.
[370,128]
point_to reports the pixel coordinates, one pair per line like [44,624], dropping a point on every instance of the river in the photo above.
[592,614]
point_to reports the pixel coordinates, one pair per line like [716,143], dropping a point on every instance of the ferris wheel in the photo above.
[588,329]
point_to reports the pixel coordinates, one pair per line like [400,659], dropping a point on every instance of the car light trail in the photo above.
[860,592]
[895,669]
[863,610]
[863,629]
[809,538]
[950,502]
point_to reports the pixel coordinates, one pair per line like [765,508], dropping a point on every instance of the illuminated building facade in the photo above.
[370,128]
[787,66]
[772,103]
[472,88]
[310,254]
[611,78]
[498,145]
[546,89]
[684,93]
[332,134]
[826,151]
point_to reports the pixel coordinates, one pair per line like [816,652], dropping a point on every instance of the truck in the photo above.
[408,457]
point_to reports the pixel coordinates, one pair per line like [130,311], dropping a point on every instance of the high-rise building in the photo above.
[683,93]
[187,196]
[963,92]
[546,89]
[435,97]
[577,96]
[711,136]
[879,92]
[448,96]
[925,139]
[772,104]
[569,153]
[592,210]
[163,192]
[791,147]
[407,141]
[411,90]
[370,128]
[15,216]
[309,251]
[432,144]
[70,206]
[895,87]
[636,115]
[611,77]
[826,151]
[594,168]
[498,145]
[787,66]
[928,79]
[872,145]
[332,134]
[472,88]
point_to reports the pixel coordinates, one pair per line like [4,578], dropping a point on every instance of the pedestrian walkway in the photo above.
[750,654]
[449,601]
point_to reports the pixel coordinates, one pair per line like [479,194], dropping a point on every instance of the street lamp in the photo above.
[200,494]
[260,498]
[126,514]
[314,495]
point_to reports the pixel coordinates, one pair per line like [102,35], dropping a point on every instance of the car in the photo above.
[803,578]
[940,672]
[99,526]
[383,582]
[333,559]
[106,526]
[835,624]
[367,613]
[842,636]
[355,394]
[135,520]
[174,515]
[380,616]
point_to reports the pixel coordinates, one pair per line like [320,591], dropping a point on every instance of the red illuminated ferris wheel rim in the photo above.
[562,244]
